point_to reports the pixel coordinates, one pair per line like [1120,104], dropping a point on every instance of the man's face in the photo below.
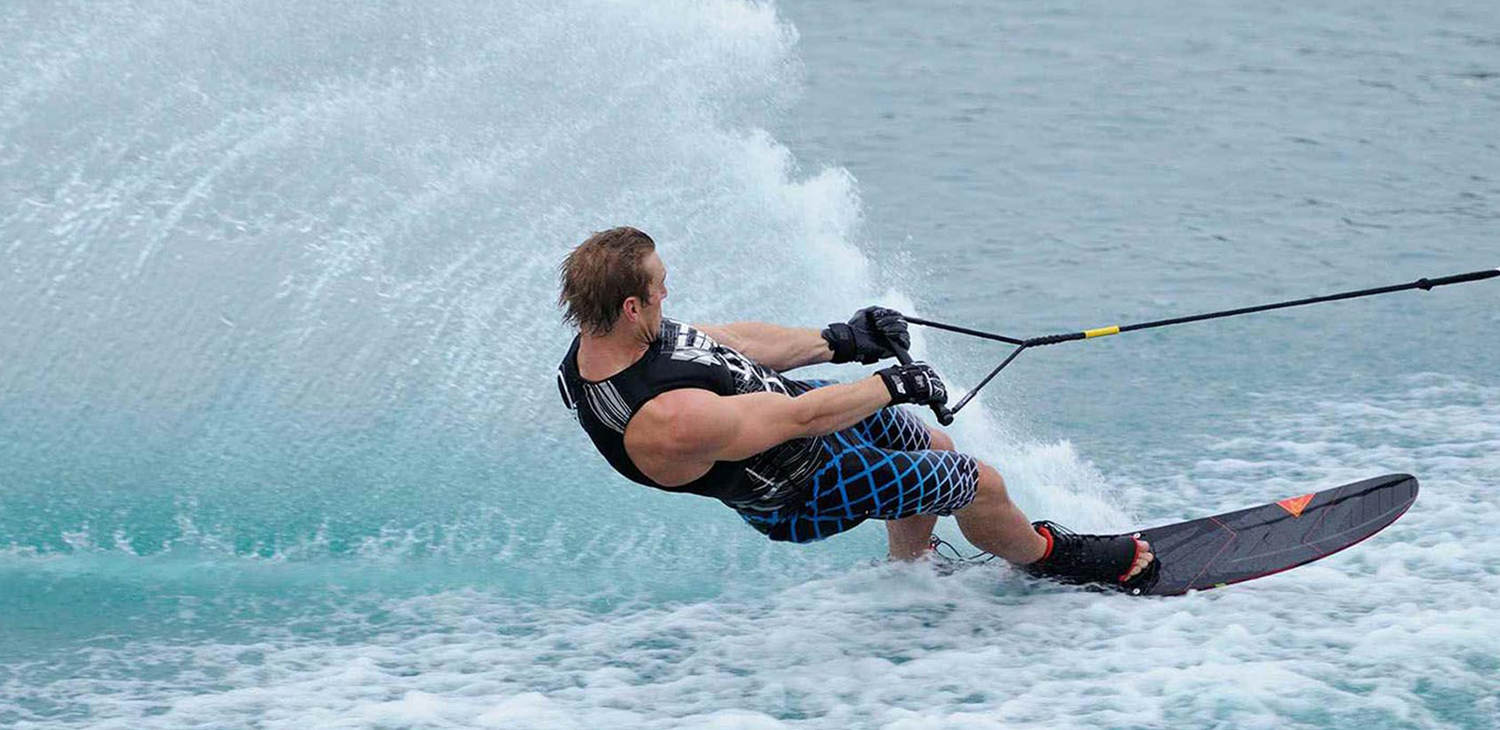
[650,311]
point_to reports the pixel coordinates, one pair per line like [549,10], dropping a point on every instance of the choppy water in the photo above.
[279,446]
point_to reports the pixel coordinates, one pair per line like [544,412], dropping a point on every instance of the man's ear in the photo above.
[631,308]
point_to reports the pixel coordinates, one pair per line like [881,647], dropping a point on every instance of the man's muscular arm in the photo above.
[776,347]
[677,436]
[867,337]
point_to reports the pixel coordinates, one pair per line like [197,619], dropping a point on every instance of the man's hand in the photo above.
[864,338]
[915,383]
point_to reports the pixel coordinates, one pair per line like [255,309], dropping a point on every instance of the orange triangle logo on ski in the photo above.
[1295,505]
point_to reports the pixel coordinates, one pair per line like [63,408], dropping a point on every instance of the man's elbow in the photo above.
[804,419]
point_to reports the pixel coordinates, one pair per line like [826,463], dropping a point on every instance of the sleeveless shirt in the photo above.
[683,357]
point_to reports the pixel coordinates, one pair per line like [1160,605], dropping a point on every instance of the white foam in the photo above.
[411,272]
[1401,630]
[294,360]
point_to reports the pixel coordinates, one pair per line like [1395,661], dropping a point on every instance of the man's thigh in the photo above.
[871,482]
[895,428]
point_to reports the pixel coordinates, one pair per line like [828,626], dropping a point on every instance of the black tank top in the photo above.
[683,357]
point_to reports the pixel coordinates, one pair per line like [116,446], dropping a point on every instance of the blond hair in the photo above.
[600,274]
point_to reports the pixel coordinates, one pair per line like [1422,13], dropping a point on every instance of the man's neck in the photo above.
[601,357]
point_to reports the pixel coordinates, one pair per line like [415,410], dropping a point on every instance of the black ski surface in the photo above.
[1233,547]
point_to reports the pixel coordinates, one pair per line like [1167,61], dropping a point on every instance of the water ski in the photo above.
[1234,547]
[1210,552]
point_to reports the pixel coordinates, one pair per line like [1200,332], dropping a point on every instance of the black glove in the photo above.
[864,337]
[915,383]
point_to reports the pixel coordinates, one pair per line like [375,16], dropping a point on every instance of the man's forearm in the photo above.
[836,407]
[776,347]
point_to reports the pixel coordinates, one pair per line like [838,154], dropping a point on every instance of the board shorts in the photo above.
[880,468]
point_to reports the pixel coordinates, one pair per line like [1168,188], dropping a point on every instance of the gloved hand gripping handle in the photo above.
[944,415]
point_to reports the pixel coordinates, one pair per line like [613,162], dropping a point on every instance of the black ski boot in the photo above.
[1090,559]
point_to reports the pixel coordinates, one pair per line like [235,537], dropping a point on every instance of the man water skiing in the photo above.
[707,410]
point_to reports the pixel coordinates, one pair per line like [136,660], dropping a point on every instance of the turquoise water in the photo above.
[279,443]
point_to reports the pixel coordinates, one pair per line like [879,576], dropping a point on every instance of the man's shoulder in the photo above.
[569,359]
[567,372]
[683,342]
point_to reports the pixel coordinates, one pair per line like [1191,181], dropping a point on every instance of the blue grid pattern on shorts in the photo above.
[897,429]
[867,474]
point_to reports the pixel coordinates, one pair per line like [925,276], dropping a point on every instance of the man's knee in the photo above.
[990,490]
[940,441]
